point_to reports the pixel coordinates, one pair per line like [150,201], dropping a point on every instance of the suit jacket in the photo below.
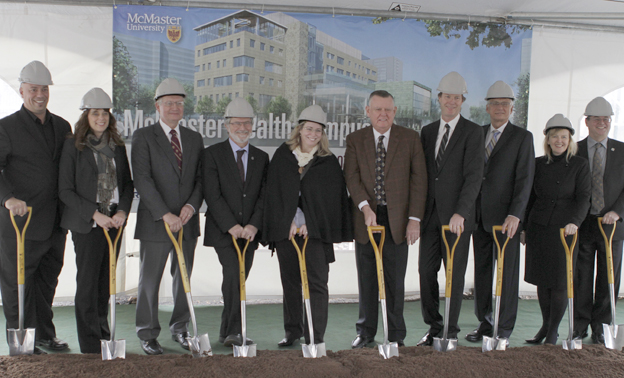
[162,187]
[613,183]
[229,201]
[455,186]
[405,178]
[507,177]
[29,172]
[78,177]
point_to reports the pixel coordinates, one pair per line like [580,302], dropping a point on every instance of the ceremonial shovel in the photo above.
[444,344]
[21,341]
[199,345]
[495,342]
[112,348]
[243,350]
[613,338]
[386,349]
[571,343]
[309,350]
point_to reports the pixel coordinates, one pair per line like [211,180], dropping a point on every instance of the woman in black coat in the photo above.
[306,190]
[559,199]
[96,187]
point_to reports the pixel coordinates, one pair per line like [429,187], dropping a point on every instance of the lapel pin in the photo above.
[612,149]
[252,158]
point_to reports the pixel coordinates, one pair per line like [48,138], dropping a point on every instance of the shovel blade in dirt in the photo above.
[614,336]
[572,344]
[494,343]
[444,345]
[200,345]
[313,350]
[245,350]
[388,350]
[112,349]
[21,341]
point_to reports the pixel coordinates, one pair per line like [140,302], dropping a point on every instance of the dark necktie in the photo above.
[442,147]
[597,195]
[490,146]
[380,164]
[177,148]
[239,163]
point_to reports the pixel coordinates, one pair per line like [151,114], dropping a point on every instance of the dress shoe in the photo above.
[39,351]
[541,335]
[288,341]
[426,340]
[180,338]
[598,338]
[477,335]
[53,344]
[221,339]
[361,341]
[151,347]
[237,340]
[399,342]
[579,335]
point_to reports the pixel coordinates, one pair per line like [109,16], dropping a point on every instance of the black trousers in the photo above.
[594,308]
[295,323]
[485,256]
[230,287]
[43,264]
[432,254]
[92,288]
[394,258]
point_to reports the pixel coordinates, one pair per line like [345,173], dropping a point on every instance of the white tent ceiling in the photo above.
[605,15]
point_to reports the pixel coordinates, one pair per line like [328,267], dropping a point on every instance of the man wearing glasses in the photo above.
[606,158]
[507,180]
[233,182]
[165,165]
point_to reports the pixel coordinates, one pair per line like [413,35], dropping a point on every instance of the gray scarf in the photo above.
[104,149]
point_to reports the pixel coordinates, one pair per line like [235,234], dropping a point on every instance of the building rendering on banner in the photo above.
[389,69]
[265,56]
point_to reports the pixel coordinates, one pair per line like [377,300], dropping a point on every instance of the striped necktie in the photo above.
[490,146]
[177,148]
[442,147]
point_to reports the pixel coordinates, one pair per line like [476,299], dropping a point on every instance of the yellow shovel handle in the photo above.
[20,239]
[608,248]
[112,258]
[302,266]
[177,244]
[569,268]
[500,261]
[379,257]
[241,267]
[450,254]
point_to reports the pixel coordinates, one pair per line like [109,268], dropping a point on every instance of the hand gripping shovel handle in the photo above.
[450,254]
[20,236]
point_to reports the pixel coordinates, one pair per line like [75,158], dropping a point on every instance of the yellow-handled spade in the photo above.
[613,338]
[243,350]
[571,343]
[495,342]
[112,348]
[444,344]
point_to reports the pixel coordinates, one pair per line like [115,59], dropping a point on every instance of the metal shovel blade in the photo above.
[112,349]
[313,350]
[493,343]
[21,341]
[614,336]
[389,350]
[200,345]
[444,345]
[572,344]
[245,350]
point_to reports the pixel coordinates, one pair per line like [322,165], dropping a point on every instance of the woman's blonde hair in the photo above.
[295,140]
[572,146]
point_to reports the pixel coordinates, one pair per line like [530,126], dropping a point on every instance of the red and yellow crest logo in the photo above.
[174,33]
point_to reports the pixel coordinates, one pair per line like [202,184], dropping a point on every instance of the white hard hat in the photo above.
[96,98]
[169,87]
[453,83]
[313,113]
[558,121]
[599,107]
[239,108]
[36,73]
[500,89]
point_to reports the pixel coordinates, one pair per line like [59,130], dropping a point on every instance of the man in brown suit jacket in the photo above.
[386,176]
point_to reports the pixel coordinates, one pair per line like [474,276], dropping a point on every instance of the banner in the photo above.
[284,62]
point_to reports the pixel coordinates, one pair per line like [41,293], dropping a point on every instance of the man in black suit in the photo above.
[454,154]
[31,141]
[505,190]
[166,166]
[606,159]
[234,174]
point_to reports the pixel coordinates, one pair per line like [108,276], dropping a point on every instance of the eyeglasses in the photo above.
[503,104]
[600,120]
[239,124]
[170,104]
